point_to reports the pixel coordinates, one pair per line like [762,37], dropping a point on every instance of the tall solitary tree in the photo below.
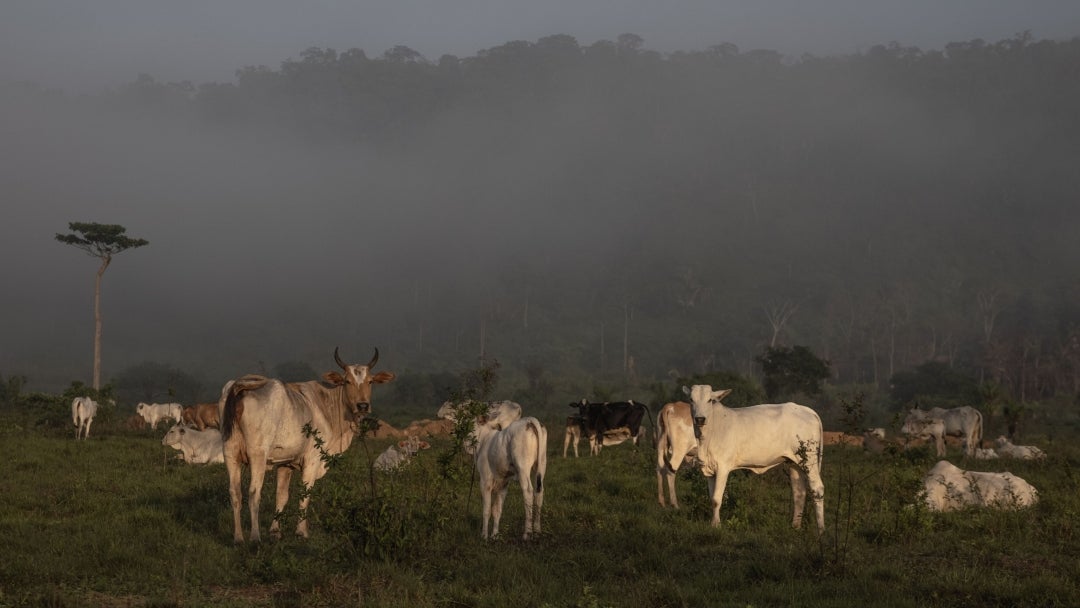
[102,241]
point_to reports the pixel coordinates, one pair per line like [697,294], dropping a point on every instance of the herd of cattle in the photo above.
[291,426]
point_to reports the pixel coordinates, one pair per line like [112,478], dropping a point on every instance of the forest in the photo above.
[607,215]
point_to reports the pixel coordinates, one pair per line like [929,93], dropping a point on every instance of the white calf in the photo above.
[396,456]
[519,450]
[196,447]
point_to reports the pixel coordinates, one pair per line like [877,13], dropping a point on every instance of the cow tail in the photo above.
[541,454]
[232,411]
[978,432]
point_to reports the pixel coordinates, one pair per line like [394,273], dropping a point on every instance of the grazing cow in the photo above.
[759,438]
[599,420]
[675,443]
[196,447]
[395,456]
[985,454]
[263,422]
[965,422]
[949,488]
[1023,452]
[926,428]
[83,410]
[517,450]
[153,413]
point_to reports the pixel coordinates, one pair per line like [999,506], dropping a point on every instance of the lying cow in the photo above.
[196,447]
[675,444]
[396,456]
[841,438]
[153,413]
[518,450]
[83,410]
[1007,449]
[948,488]
[758,438]
[985,454]
[926,428]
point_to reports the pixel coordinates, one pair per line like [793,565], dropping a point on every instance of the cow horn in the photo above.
[338,359]
[374,359]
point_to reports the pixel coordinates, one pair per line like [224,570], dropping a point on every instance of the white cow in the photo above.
[965,422]
[518,450]
[759,438]
[196,447]
[1023,452]
[674,444]
[153,413]
[926,428]
[83,410]
[948,488]
[396,456]
[985,454]
[573,435]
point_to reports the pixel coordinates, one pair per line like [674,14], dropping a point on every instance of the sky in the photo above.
[221,212]
[82,45]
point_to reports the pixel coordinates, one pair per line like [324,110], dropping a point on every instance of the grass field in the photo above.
[113,522]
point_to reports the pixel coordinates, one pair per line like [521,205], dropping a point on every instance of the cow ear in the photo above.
[382,377]
[584,402]
[334,378]
[685,389]
[718,395]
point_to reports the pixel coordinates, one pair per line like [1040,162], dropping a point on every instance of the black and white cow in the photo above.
[610,423]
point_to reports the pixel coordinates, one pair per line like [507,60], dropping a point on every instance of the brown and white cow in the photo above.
[262,423]
[675,443]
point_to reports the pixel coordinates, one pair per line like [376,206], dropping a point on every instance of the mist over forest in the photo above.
[540,201]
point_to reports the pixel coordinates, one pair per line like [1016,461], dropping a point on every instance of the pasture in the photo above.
[114,521]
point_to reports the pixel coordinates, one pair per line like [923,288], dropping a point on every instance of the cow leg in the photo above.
[798,495]
[233,467]
[528,498]
[284,476]
[566,444]
[485,496]
[258,473]
[311,473]
[716,491]
[939,443]
[86,431]
[538,504]
[497,507]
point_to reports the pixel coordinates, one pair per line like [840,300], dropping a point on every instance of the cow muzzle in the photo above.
[699,421]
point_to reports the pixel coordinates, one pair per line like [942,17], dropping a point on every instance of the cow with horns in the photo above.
[287,426]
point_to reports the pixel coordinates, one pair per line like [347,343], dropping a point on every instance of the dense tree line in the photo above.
[884,209]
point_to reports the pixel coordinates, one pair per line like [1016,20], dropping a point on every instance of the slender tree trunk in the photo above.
[97,321]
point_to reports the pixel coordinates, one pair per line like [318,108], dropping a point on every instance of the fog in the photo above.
[81,45]
[266,246]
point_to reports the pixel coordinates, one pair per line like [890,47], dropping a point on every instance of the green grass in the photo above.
[110,521]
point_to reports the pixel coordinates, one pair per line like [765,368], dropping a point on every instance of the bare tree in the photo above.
[779,315]
[102,241]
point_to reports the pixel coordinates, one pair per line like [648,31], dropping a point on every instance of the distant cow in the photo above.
[758,438]
[429,428]
[600,419]
[926,428]
[985,454]
[154,413]
[965,422]
[841,438]
[83,410]
[396,456]
[948,488]
[675,443]
[572,435]
[1006,449]
[196,447]
[518,450]
[498,412]
[263,423]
